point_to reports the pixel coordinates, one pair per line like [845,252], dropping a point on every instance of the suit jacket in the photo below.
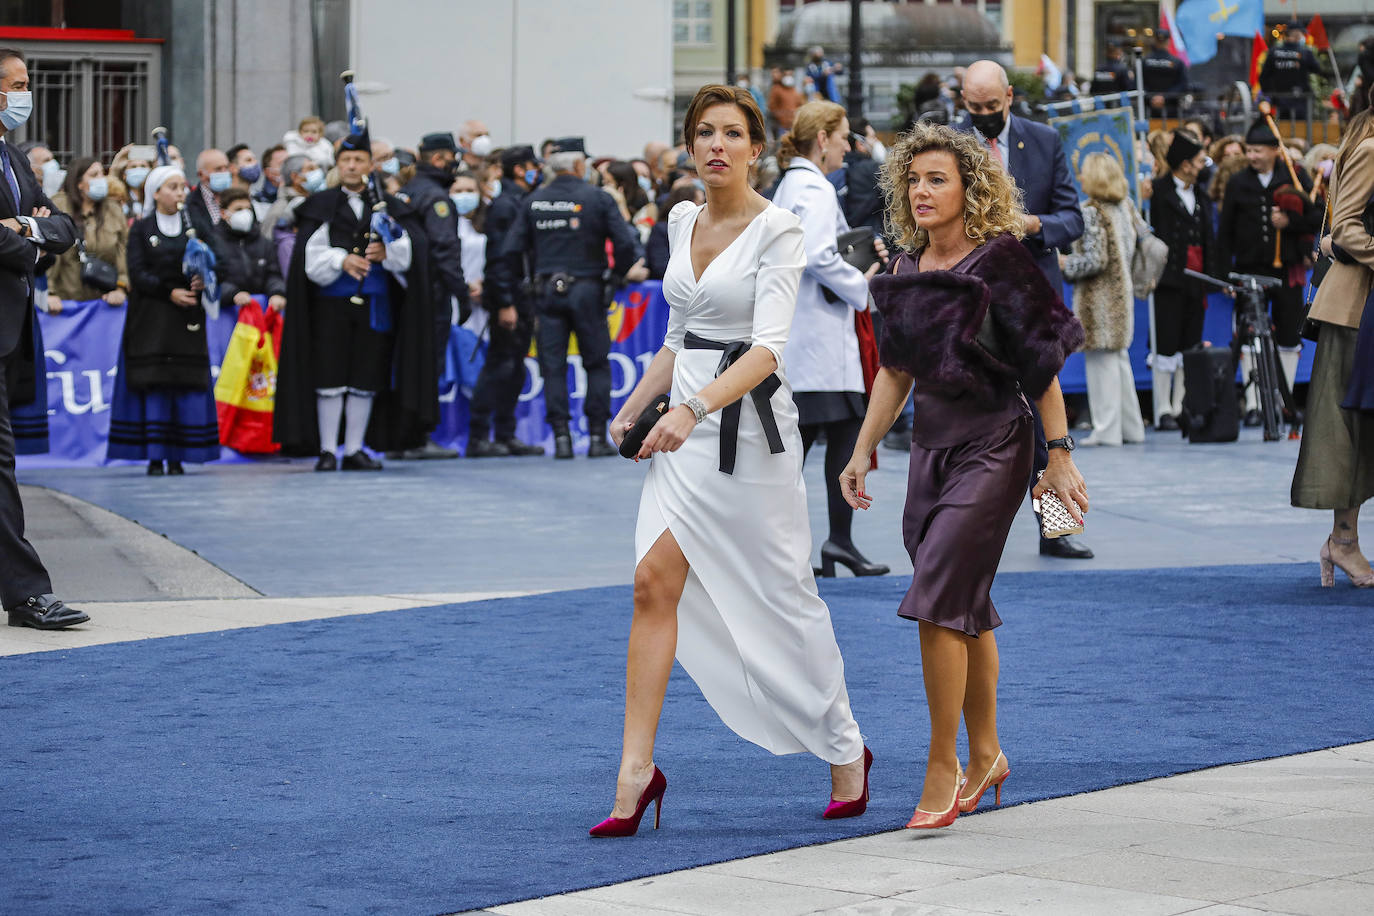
[1341,297]
[1041,170]
[1178,229]
[18,255]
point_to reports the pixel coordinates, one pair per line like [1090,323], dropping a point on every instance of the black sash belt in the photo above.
[729,417]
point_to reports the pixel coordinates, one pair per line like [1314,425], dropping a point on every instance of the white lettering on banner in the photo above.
[67,381]
[579,384]
[629,371]
[536,380]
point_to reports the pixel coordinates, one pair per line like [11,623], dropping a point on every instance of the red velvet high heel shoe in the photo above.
[930,820]
[627,826]
[994,779]
[838,809]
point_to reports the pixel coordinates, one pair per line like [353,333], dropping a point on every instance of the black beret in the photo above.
[432,143]
[1261,134]
[357,140]
[1183,148]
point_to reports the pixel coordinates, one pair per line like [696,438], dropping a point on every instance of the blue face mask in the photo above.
[135,176]
[646,184]
[494,190]
[533,177]
[250,173]
[315,181]
[391,166]
[465,201]
[98,188]
[19,105]
[220,181]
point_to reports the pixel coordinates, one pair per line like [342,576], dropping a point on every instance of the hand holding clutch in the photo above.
[634,439]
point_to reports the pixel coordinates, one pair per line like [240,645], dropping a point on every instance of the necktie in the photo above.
[996,150]
[9,174]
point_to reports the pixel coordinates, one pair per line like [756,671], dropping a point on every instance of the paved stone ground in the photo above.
[245,545]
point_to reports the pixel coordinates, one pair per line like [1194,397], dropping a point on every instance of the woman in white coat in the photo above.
[823,352]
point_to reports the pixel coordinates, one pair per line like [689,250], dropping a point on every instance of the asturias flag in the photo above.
[1201,21]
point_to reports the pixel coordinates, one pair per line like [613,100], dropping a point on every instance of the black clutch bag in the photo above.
[857,248]
[96,273]
[634,439]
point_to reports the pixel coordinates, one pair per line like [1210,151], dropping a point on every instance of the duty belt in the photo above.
[559,282]
[729,417]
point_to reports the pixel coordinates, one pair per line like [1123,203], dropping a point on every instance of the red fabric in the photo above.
[1259,49]
[1316,33]
[245,413]
[1195,258]
[868,359]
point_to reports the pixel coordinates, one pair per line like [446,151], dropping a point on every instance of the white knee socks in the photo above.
[356,413]
[329,407]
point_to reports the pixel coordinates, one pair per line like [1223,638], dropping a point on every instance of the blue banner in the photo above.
[1110,132]
[1201,21]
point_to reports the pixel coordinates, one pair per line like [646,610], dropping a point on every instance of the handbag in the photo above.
[1147,261]
[1055,520]
[857,249]
[96,273]
[634,439]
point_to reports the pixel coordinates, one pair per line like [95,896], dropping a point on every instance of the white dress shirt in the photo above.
[1186,193]
[324,263]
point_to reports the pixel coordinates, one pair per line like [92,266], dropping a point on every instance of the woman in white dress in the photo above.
[723,577]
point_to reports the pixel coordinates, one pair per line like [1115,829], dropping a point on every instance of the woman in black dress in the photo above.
[975,327]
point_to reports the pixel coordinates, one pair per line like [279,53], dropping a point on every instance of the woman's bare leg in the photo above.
[944,665]
[980,706]
[1346,525]
[659,580]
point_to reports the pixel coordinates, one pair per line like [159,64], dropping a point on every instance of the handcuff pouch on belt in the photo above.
[761,394]
[559,283]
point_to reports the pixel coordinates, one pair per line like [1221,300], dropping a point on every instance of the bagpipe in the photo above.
[1288,197]
[199,259]
[381,227]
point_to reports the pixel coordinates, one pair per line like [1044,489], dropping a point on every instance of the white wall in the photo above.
[529,69]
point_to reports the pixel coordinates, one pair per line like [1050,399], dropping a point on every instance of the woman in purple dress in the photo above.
[973,325]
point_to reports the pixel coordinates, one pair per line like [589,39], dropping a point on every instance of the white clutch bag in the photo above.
[1055,520]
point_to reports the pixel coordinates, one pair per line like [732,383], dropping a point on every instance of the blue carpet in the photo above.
[433,760]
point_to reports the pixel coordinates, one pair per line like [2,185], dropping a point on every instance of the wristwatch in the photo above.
[1064,442]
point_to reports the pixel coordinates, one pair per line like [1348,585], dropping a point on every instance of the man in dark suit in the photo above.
[29,226]
[1034,157]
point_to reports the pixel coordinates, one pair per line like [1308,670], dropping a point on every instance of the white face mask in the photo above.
[18,107]
[879,151]
[241,220]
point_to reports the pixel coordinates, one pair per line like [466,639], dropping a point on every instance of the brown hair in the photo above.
[229,195]
[1226,170]
[992,203]
[1220,143]
[311,119]
[716,94]
[810,120]
[1356,132]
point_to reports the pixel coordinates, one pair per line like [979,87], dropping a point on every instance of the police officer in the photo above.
[1113,74]
[512,321]
[563,227]
[1286,71]
[428,195]
[1163,75]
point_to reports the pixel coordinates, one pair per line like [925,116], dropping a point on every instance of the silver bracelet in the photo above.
[697,407]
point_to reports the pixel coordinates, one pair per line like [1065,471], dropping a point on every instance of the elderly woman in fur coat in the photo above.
[1099,266]
[973,325]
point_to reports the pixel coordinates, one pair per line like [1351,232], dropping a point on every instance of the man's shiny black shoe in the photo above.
[46,612]
[1253,419]
[485,448]
[327,462]
[360,461]
[562,446]
[155,469]
[1066,548]
[1167,422]
[516,447]
[598,447]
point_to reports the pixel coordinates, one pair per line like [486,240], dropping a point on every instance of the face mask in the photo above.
[220,181]
[879,152]
[533,177]
[20,106]
[241,221]
[50,166]
[646,184]
[465,201]
[52,181]
[1326,167]
[250,173]
[482,146]
[391,166]
[989,125]
[789,81]
[97,188]
[135,176]
[743,84]
[494,190]
[315,181]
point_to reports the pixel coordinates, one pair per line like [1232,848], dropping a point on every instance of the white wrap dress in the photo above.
[752,630]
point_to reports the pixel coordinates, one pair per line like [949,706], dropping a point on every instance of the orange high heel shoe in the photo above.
[969,802]
[930,820]
[1328,564]
[627,826]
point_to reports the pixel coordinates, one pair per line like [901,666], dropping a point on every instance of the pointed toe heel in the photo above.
[993,780]
[933,820]
[629,826]
[841,809]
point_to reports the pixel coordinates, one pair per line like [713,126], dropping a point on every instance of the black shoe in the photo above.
[155,469]
[1253,419]
[516,447]
[898,440]
[360,461]
[1167,422]
[175,468]
[858,564]
[485,448]
[599,447]
[327,462]
[46,612]
[430,451]
[562,446]
[1066,548]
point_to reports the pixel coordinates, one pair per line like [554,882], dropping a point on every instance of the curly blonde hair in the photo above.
[992,202]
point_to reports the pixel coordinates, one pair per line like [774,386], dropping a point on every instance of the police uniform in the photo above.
[502,378]
[1112,76]
[1162,73]
[563,227]
[1246,240]
[1285,73]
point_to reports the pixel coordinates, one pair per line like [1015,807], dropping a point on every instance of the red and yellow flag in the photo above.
[1259,49]
[1316,34]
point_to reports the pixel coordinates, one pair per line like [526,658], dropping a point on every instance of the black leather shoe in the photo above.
[1066,548]
[858,564]
[360,461]
[430,451]
[46,612]
[600,448]
[155,469]
[516,447]
[1167,422]
[1253,419]
[898,440]
[174,468]
[485,448]
[327,462]
[562,446]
